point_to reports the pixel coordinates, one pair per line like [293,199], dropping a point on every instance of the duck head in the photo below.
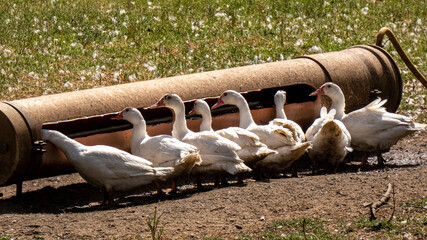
[229,97]
[200,107]
[280,97]
[129,114]
[171,101]
[329,89]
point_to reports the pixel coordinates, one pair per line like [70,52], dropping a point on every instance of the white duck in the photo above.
[275,137]
[218,153]
[372,128]
[162,150]
[283,121]
[109,168]
[252,150]
[330,140]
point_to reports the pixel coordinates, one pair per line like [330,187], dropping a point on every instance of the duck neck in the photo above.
[179,125]
[338,103]
[280,112]
[70,147]
[139,133]
[246,119]
[206,124]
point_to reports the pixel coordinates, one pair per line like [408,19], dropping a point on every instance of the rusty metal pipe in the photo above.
[363,72]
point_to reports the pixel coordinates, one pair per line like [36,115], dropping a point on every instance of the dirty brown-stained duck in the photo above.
[330,140]
[161,150]
[282,120]
[109,168]
[252,149]
[218,153]
[372,128]
[275,137]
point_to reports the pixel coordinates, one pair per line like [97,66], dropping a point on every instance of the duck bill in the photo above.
[192,112]
[218,104]
[159,104]
[317,92]
[119,116]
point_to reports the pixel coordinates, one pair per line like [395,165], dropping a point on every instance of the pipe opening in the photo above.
[257,99]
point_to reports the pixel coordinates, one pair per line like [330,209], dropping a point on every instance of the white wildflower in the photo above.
[149,3]
[47,91]
[96,76]
[315,49]
[364,10]
[116,75]
[220,14]
[3,72]
[122,11]
[82,78]
[326,3]
[54,18]
[150,66]
[11,89]
[68,84]
[269,26]
[338,40]
[94,55]
[7,21]
[7,52]
[299,43]
[59,27]
[132,77]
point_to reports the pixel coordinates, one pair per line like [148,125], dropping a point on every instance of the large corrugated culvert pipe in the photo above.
[364,73]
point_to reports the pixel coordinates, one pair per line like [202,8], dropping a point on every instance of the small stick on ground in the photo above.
[303,229]
[394,207]
[383,200]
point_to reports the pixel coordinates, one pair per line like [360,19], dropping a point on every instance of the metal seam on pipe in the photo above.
[325,71]
[36,159]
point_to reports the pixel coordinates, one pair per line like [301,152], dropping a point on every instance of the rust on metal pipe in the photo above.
[364,73]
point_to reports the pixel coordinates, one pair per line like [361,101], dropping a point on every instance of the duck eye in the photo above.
[168,97]
[225,94]
[127,110]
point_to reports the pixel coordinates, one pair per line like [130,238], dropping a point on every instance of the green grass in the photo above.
[4,237]
[64,45]
[299,229]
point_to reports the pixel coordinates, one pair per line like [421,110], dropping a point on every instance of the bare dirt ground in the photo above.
[63,207]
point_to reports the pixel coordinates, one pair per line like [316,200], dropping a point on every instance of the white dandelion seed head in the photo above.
[315,49]
[132,77]
[364,10]
[68,84]
[298,43]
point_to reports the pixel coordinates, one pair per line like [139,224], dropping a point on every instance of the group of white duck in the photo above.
[265,149]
